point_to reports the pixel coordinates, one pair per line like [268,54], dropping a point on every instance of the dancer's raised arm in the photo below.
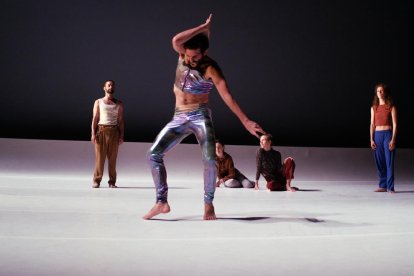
[180,38]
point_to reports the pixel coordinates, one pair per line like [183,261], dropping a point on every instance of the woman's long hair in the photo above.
[387,96]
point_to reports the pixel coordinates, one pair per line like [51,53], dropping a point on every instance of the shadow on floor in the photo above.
[246,219]
[151,188]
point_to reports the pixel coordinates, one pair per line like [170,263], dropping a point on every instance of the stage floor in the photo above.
[53,224]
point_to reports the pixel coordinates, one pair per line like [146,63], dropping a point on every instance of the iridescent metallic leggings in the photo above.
[184,123]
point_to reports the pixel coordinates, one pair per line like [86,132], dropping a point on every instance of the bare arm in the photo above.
[121,122]
[95,120]
[180,38]
[394,128]
[372,130]
[225,94]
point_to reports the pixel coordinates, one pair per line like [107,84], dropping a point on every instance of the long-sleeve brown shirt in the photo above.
[225,167]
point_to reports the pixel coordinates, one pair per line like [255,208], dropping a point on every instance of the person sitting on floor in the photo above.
[227,174]
[269,164]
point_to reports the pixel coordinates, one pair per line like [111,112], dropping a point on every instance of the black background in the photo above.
[304,70]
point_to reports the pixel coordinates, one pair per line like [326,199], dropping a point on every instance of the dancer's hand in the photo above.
[209,19]
[373,145]
[391,145]
[207,25]
[254,128]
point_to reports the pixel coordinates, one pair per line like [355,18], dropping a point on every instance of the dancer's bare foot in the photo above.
[380,190]
[291,189]
[209,213]
[159,208]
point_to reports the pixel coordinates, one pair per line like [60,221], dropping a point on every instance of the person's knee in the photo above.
[152,156]
[247,183]
[232,183]
[289,160]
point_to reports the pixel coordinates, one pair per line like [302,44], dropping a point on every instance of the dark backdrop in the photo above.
[305,70]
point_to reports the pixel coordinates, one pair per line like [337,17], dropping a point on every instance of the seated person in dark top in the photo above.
[269,164]
[227,174]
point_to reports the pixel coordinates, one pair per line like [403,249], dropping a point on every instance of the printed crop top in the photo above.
[191,80]
[382,115]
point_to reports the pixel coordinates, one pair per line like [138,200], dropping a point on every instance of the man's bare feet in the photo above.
[159,208]
[209,213]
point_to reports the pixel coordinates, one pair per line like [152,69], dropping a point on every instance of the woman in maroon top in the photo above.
[383,132]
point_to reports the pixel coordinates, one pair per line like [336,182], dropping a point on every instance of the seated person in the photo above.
[226,173]
[269,164]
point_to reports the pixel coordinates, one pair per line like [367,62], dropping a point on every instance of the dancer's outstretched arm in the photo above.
[221,85]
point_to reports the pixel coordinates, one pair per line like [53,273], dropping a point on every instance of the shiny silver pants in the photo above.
[184,123]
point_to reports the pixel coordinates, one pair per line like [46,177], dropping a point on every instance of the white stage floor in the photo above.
[53,223]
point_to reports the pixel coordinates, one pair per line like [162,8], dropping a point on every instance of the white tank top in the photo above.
[108,113]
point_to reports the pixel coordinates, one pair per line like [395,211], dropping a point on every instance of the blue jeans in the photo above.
[384,159]
[198,122]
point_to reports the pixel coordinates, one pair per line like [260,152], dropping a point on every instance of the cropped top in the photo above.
[382,115]
[191,80]
[108,113]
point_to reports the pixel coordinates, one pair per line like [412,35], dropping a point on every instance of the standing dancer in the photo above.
[196,74]
[383,132]
[107,133]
